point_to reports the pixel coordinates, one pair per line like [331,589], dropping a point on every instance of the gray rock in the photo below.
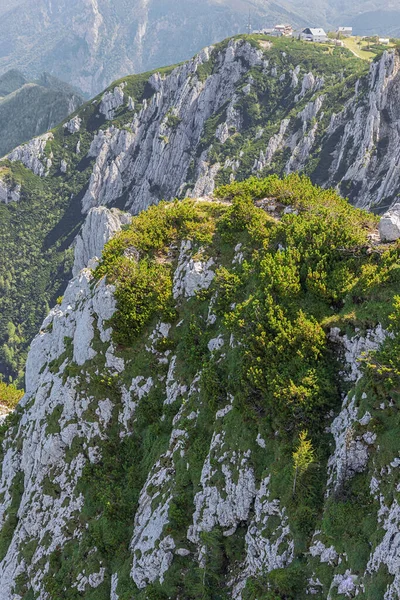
[100,226]
[32,154]
[74,125]
[389,225]
[9,192]
[111,101]
[138,159]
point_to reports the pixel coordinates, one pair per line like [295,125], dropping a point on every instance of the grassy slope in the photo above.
[364,49]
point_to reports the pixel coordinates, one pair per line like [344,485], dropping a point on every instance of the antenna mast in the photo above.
[249,26]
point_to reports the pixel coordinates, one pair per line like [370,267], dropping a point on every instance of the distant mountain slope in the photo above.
[92,42]
[368,16]
[28,109]
[10,82]
[385,22]
[7,5]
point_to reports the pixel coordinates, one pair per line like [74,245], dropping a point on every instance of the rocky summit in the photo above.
[210,405]
[211,408]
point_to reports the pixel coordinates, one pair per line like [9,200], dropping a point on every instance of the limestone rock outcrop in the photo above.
[389,225]
[100,226]
[9,192]
[32,155]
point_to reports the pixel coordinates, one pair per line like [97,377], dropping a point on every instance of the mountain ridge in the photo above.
[29,108]
[246,106]
[107,40]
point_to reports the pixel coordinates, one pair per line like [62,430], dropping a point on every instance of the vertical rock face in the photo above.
[74,125]
[265,552]
[165,149]
[9,193]
[366,153]
[46,507]
[194,127]
[152,160]
[111,101]
[228,510]
[389,225]
[358,151]
[100,226]
[111,148]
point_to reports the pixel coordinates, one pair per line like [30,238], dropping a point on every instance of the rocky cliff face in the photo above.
[365,133]
[140,468]
[213,120]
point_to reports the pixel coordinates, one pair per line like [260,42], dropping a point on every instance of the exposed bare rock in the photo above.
[275,143]
[73,125]
[389,225]
[9,192]
[111,101]
[99,227]
[161,166]
[368,124]
[32,154]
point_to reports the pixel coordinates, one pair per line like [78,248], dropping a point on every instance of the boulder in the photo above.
[389,225]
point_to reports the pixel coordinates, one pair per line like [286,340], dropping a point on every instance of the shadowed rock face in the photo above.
[154,156]
[160,153]
[367,154]
[389,225]
[99,227]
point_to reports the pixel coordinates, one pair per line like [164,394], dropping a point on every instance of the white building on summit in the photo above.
[344,31]
[286,30]
[314,35]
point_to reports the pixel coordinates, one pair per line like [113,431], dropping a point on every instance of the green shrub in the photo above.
[144,289]
[10,395]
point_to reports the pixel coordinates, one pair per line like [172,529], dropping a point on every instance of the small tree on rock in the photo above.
[303,457]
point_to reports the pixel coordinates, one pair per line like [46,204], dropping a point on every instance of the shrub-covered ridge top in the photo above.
[214,409]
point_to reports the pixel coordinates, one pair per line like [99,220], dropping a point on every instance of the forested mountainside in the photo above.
[28,109]
[211,410]
[90,43]
[246,106]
